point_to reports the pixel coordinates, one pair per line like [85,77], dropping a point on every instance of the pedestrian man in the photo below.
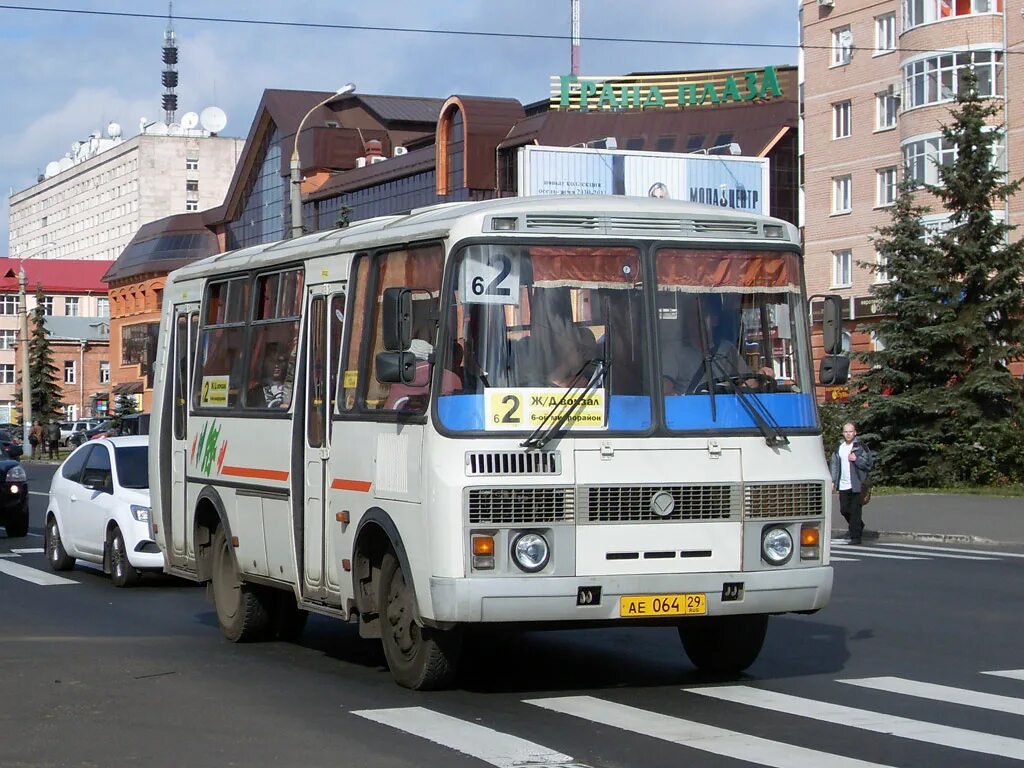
[850,466]
[52,438]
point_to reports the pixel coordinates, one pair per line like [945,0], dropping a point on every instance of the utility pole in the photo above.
[26,386]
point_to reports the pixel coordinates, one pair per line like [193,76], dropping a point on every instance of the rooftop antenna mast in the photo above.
[170,73]
[575,65]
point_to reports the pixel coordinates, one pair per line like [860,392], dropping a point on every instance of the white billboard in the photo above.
[722,180]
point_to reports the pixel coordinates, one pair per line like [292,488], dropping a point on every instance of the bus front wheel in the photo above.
[242,610]
[724,645]
[419,657]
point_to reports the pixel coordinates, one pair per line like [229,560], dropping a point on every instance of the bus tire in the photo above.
[242,611]
[724,645]
[419,657]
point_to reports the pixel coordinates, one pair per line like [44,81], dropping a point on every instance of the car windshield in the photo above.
[132,465]
[526,323]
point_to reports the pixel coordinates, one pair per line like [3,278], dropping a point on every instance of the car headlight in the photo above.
[530,552]
[16,474]
[776,545]
[140,513]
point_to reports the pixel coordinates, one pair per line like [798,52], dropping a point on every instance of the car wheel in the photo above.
[56,555]
[17,524]
[243,610]
[723,645]
[122,572]
[420,658]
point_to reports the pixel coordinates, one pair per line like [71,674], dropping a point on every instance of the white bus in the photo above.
[542,412]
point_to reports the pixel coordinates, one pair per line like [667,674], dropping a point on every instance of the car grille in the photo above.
[520,506]
[632,503]
[764,500]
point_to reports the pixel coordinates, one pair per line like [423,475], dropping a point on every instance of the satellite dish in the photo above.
[189,120]
[213,119]
[174,129]
[52,168]
[159,128]
[114,130]
[64,163]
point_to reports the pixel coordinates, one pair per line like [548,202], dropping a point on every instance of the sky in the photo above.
[64,75]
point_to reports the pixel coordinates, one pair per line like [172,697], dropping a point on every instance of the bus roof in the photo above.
[560,215]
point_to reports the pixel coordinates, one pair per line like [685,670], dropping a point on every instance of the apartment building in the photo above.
[878,80]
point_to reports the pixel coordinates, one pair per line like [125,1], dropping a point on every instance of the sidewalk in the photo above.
[963,519]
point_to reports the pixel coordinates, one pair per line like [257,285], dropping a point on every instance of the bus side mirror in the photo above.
[396,367]
[396,319]
[832,324]
[834,369]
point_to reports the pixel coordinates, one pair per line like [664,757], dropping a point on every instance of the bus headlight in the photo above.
[776,545]
[530,552]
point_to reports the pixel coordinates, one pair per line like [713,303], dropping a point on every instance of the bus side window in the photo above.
[418,268]
[219,362]
[274,341]
[348,380]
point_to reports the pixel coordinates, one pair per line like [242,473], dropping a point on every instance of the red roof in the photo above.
[54,275]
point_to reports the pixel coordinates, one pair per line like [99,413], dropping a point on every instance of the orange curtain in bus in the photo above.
[728,269]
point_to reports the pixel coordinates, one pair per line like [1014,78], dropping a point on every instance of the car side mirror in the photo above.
[834,369]
[396,367]
[396,319]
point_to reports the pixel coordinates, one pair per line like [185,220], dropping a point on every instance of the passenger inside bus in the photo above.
[271,389]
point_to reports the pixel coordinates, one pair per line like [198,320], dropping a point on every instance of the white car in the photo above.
[99,510]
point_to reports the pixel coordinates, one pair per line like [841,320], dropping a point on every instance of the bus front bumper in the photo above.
[555,599]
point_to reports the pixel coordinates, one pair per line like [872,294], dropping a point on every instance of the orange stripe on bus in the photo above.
[259,474]
[351,485]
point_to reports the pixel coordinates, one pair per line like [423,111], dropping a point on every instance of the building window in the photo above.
[886,186]
[887,106]
[6,373]
[48,306]
[69,372]
[264,209]
[842,268]
[192,185]
[877,342]
[8,339]
[881,265]
[104,371]
[695,141]
[842,46]
[923,157]
[842,194]
[191,165]
[665,144]
[885,33]
[71,306]
[8,304]
[842,117]
[917,12]
[937,79]
[191,205]
[103,307]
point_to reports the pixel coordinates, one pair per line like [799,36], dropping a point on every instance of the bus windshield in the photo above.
[528,322]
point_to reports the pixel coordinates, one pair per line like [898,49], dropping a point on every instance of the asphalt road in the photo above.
[94,676]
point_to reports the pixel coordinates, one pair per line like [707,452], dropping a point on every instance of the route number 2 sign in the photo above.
[490,277]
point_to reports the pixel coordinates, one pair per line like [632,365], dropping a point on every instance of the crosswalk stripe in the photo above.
[859,552]
[707,738]
[498,749]
[895,549]
[879,722]
[942,693]
[34,575]
[29,551]
[995,553]
[1013,674]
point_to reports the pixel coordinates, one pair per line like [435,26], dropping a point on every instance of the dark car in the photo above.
[13,498]
[10,446]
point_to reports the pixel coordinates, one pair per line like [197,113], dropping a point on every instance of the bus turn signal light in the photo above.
[810,541]
[483,552]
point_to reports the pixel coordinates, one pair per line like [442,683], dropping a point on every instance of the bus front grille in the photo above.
[766,500]
[520,506]
[637,503]
[513,463]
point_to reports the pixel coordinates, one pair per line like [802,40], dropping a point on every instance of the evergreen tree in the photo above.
[123,406]
[47,402]
[938,401]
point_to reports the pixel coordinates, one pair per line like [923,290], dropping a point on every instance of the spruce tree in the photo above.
[47,402]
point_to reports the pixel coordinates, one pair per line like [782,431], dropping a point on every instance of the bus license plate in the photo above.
[644,606]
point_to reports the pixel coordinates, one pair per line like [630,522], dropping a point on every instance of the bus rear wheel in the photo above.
[724,645]
[242,610]
[419,657]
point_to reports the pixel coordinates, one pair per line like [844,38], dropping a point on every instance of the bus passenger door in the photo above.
[186,325]
[326,314]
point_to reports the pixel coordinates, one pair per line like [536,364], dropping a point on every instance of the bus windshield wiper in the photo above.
[761,416]
[543,433]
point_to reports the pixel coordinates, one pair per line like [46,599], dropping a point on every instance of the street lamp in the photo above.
[733,147]
[296,172]
[26,389]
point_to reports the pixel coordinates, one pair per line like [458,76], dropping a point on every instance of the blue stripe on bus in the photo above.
[789,409]
[461,413]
